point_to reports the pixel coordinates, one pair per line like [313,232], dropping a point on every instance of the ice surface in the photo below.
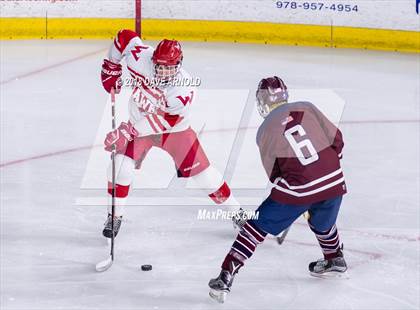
[53,109]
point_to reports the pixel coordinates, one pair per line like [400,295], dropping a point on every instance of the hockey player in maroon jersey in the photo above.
[159,111]
[300,150]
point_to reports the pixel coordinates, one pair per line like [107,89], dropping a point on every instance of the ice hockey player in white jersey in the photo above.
[159,111]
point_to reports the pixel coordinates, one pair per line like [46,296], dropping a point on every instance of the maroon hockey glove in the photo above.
[110,76]
[120,137]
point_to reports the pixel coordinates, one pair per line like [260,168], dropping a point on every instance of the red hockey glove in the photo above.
[110,76]
[120,137]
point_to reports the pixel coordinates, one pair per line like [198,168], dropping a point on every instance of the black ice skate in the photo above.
[327,268]
[107,232]
[220,286]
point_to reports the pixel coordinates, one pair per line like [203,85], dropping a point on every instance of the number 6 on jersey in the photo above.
[298,146]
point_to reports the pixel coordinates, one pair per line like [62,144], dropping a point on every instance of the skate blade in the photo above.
[219,296]
[104,265]
[331,275]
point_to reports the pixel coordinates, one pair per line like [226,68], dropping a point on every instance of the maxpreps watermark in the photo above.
[219,214]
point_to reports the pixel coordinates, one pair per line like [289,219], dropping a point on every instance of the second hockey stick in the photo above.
[284,233]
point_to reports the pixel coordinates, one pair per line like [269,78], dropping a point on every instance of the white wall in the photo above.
[385,14]
[68,8]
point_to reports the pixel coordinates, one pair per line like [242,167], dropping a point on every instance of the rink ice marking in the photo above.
[370,256]
[46,155]
[56,65]
[383,295]
[367,257]
[373,256]
[377,235]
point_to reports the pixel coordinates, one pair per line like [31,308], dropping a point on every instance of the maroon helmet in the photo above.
[271,91]
[167,59]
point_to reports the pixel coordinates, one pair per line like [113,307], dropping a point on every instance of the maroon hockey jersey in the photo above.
[301,150]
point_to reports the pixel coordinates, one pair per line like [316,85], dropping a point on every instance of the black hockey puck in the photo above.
[146,267]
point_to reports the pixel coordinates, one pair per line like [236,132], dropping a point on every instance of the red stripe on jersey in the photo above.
[327,187]
[123,38]
[151,124]
[158,122]
[116,44]
[313,186]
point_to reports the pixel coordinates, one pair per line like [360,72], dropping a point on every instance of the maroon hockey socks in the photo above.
[329,242]
[243,247]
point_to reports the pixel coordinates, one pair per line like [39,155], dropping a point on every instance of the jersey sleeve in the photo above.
[176,111]
[338,143]
[331,131]
[122,42]
[270,149]
[180,101]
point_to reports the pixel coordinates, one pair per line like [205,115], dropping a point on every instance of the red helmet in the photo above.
[167,59]
[168,52]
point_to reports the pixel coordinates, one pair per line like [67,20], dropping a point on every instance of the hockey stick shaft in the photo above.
[113,174]
[284,233]
[107,263]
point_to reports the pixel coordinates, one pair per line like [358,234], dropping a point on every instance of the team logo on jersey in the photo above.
[186,99]
[137,50]
[146,103]
[287,120]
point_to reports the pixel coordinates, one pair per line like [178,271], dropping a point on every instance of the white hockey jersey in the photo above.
[152,110]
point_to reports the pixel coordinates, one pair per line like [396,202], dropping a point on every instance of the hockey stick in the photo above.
[107,263]
[284,233]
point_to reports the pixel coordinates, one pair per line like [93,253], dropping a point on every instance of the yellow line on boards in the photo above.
[217,31]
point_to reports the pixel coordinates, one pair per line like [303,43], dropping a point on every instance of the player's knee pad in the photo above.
[124,170]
